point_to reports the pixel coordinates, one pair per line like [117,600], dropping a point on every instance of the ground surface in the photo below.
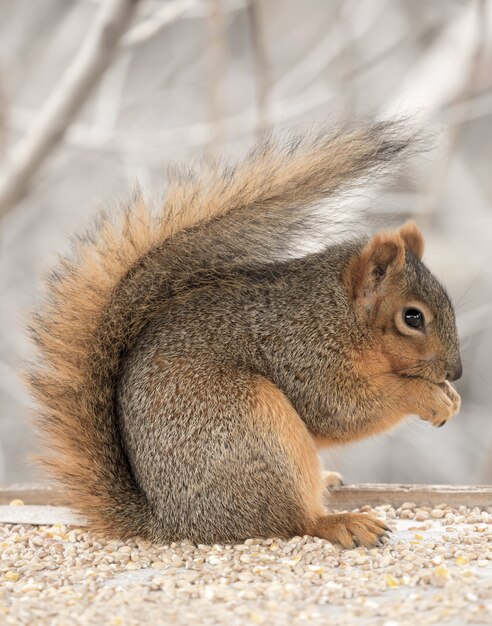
[435,569]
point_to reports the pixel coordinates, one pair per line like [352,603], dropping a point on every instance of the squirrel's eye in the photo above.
[413,318]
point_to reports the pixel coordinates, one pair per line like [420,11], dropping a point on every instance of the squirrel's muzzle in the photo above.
[454,370]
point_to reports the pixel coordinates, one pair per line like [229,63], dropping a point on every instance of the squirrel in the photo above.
[189,369]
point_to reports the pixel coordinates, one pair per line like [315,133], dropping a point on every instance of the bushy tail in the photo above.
[100,299]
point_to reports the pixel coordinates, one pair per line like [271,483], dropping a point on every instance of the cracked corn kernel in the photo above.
[441,571]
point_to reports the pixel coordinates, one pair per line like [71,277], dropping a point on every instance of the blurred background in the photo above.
[96,95]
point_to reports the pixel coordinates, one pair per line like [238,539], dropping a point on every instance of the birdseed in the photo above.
[435,569]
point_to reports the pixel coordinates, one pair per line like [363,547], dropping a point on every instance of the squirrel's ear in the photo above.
[382,258]
[412,238]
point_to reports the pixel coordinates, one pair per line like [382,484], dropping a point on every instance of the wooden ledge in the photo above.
[30,494]
[345,497]
[353,496]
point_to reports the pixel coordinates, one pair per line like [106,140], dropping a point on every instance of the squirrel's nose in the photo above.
[455,371]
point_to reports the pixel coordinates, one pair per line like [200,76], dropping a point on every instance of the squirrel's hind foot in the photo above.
[351,530]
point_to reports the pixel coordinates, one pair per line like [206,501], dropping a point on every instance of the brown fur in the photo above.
[373,365]
[350,529]
[382,257]
[274,416]
[185,369]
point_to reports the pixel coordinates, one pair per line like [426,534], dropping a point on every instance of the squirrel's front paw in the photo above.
[332,479]
[440,403]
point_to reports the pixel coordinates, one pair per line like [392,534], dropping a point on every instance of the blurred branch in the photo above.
[471,78]
[150,26]
[281,110]
[170,12]
[472,109]
[364,16]
[3,122]
[216,53]
[198,134]
[262,69]
[399,39]
[443,71]
[75,85]
[11,384]
[443,75]
[109,95]
[197,8]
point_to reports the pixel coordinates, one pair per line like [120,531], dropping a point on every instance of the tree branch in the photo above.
[67,98]
[261,63]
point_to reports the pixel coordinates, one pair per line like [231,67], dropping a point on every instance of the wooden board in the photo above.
[42,502]
[39,515]
[353,496]
[29,494]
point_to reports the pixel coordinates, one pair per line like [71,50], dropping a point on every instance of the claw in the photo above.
[352,529]
[441,424]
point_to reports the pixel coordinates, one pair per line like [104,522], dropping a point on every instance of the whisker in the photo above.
[465,346]
[472,284]
[395,371]
[472,365]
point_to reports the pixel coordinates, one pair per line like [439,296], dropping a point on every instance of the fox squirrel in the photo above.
[189,368]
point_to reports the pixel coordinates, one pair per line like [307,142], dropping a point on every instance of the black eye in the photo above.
[413,318]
